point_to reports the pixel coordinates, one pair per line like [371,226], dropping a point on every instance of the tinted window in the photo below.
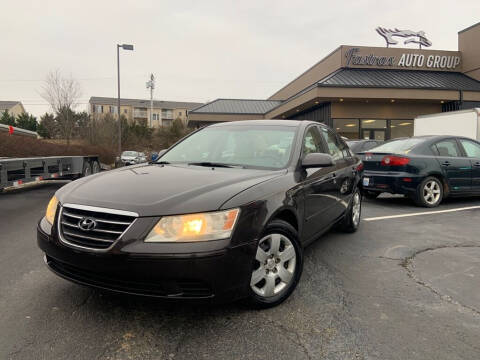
[472,149]
[311,141]
[257,146]
[370,145]
[355,146]
[334,148]
[403,146]
[448,148]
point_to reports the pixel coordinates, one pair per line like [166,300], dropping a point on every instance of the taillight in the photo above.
[395,161]
[359,167]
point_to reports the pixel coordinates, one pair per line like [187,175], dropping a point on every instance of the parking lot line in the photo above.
[421,213]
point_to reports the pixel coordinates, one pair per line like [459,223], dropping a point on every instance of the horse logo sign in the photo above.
[414,37]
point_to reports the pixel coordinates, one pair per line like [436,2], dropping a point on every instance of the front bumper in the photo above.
[393,182]
[216,275]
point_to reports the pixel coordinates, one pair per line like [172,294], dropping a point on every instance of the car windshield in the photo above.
[354,145]
[400,146]
[129,153]
[267,146]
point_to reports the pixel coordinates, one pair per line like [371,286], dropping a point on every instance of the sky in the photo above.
[198,50]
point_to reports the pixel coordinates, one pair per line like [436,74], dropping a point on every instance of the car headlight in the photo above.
[194,227]
[51,210]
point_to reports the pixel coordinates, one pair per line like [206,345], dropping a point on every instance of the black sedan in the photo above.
[427,168]
[223,214]
[358,146]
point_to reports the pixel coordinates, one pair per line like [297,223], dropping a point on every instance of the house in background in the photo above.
[164,112]
[14,108]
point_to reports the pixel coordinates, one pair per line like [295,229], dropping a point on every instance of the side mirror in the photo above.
[317,160]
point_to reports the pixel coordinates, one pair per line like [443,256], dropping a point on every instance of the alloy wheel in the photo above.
[275,265]
[356,209]
[431,192]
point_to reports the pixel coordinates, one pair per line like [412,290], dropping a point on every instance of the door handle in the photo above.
[446,163]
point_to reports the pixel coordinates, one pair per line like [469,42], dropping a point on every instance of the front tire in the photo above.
[429,192]
[277,267]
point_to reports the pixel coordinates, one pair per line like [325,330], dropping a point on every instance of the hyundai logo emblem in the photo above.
[87,224]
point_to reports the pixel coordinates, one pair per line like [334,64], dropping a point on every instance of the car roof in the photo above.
[272,122]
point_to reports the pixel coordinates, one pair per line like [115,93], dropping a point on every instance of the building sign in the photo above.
[399,60]
[415,37]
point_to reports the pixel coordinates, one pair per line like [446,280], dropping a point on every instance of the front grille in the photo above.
[108,228]
[163,288]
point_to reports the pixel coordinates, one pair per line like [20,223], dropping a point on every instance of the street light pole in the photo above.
[124,47]
[118,103]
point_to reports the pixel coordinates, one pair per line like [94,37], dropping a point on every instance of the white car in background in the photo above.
[133,157]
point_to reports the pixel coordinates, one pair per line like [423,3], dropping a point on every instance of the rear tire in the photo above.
[277,266]
[429,192]
[87,169]
[351,221]
[95,167]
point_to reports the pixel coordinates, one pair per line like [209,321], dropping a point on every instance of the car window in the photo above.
[311,141]
[447,148]
[398,146]
[370,145]
[256,146]
[472,149]
[334,147]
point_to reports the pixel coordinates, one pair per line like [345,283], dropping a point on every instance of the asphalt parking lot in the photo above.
[405,286]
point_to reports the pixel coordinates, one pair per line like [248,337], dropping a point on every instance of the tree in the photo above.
[48,126]
[27,121]
[62,93]
[7,119]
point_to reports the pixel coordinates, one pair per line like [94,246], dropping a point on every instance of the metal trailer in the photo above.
[19,131]
[18,171]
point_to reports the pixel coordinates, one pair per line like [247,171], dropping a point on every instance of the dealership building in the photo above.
[368,92]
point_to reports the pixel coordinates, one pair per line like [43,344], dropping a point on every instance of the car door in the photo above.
[319,187]
[344,170]
[456,168]
[472,150]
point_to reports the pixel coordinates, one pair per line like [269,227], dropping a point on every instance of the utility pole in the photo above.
[151,85]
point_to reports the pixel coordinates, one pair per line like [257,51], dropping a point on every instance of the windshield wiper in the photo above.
[211,164]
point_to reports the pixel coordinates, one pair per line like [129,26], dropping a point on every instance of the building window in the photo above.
[166,122]
[373,129]
[113,109]
[99,109]
[348,128]
[401,128]
[179,113]
[125,111]
[167,114]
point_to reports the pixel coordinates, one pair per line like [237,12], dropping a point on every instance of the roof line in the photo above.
[468,28]
[146,100]
[388,87]
[211,102]
[227,113]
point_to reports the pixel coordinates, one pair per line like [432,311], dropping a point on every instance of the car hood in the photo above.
[153,190]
